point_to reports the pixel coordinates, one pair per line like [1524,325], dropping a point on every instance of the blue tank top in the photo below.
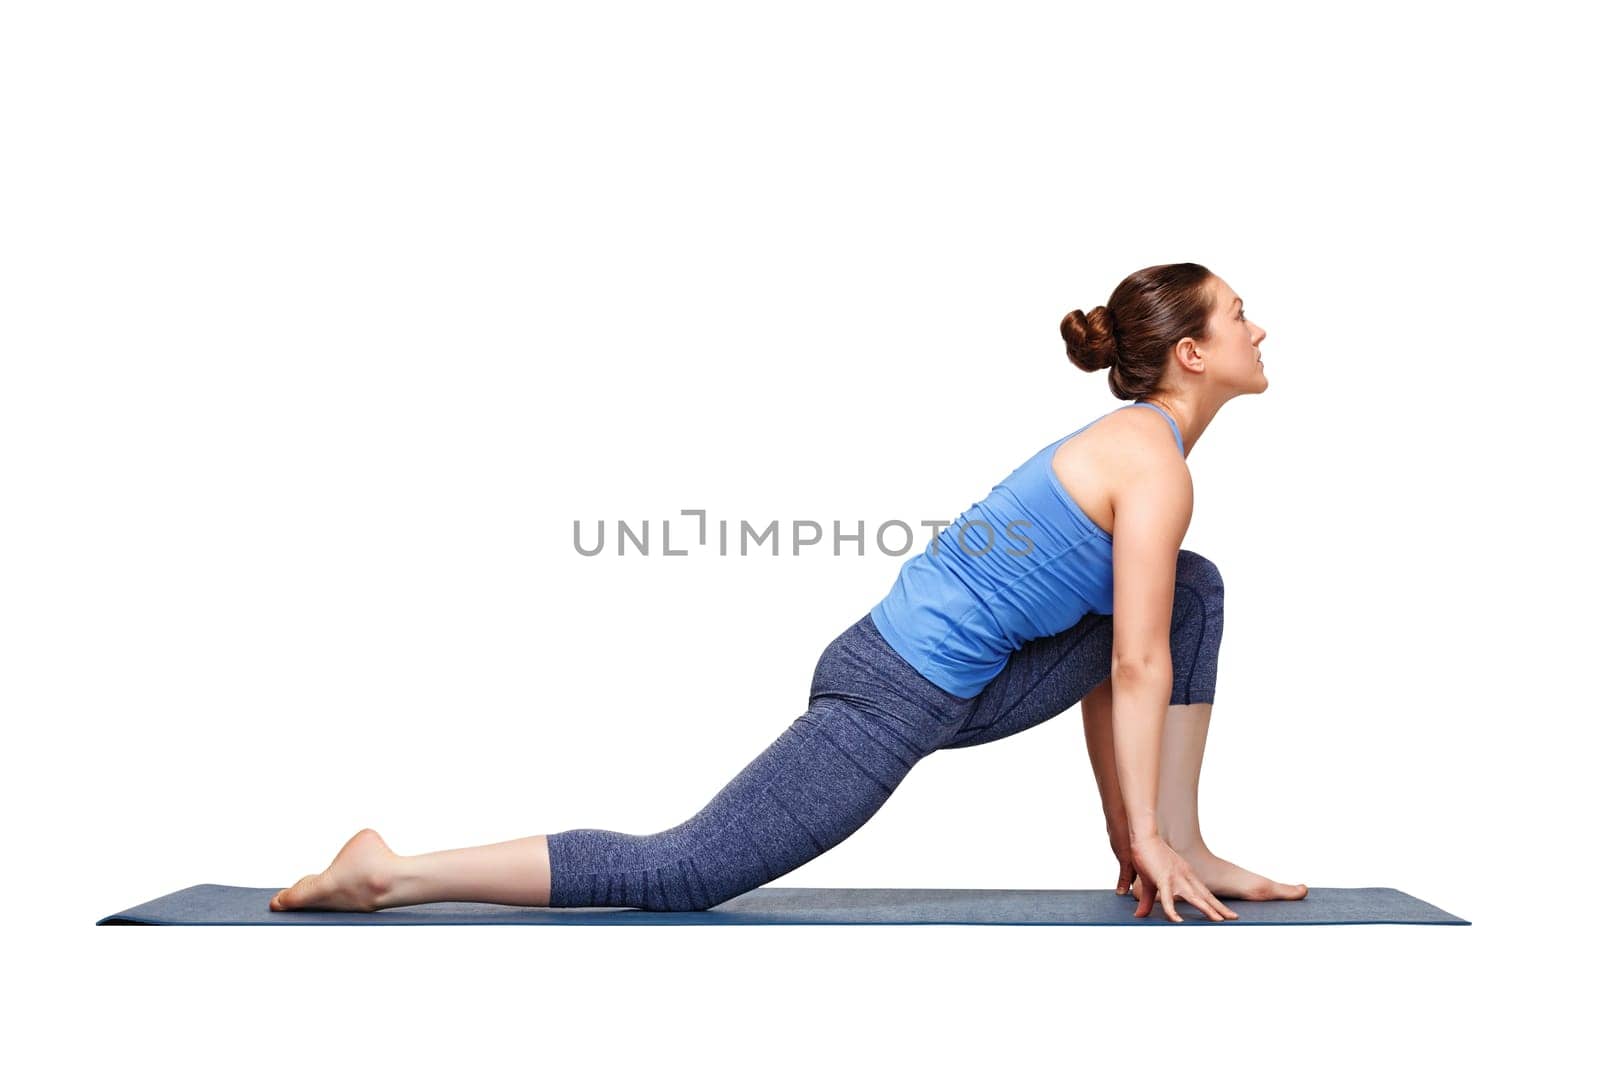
[1025,562]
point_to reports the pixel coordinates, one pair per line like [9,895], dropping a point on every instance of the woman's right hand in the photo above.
[1167,876]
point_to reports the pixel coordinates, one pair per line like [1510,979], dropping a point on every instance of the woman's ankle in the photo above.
[394,883]
[1185,842]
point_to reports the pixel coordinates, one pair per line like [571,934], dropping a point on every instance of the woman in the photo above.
[1009,617]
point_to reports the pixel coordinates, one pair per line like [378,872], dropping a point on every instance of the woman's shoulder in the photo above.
[1144,422]
[1136,433]
[1121,458]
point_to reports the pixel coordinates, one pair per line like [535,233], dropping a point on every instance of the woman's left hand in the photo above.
[1122,848]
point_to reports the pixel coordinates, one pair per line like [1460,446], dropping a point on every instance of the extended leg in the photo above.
[813,787]
[870,718]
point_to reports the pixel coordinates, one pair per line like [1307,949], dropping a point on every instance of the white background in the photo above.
[323,322]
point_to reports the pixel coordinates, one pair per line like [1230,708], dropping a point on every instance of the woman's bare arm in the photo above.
[1151,512]
[1102,753]
[1102,757]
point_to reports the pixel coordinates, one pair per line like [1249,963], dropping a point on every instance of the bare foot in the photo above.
[1226,879]
[357,879]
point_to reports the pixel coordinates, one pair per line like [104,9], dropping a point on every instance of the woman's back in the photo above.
[1027,561]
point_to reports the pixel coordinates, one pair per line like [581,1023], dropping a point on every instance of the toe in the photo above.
[297,895]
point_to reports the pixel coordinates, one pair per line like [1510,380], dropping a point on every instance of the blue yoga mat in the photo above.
[232,905]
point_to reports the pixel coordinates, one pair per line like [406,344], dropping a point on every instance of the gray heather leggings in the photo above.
[871,718]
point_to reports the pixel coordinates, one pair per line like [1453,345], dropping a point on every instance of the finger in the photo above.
[1166,902]
[1146,899]
[1200,898]
[1212,902]
[1184,888]
[1215,906]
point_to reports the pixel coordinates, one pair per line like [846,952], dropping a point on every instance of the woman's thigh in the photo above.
[1041,679]
[870,718]
[1046,676]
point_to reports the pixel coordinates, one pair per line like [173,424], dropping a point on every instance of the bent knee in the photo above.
[1200,575]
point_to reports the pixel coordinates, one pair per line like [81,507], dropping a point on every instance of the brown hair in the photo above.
[1133,332]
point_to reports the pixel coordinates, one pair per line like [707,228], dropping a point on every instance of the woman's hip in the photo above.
[860,674]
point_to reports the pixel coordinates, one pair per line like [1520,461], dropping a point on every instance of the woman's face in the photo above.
[1233,352]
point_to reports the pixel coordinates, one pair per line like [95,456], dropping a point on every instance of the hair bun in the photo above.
[1091,339]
